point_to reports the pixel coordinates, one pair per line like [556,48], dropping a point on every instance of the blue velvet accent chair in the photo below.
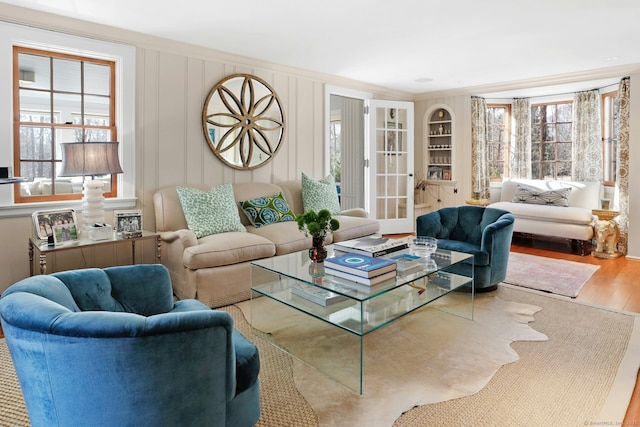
[110,347]
[481,231]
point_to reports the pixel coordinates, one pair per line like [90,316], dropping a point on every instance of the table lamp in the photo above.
[90,158]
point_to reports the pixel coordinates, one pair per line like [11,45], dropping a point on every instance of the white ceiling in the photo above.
[452,44]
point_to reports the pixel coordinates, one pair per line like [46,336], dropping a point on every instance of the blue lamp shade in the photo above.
[90,158]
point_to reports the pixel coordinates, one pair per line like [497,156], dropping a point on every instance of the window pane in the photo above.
[35,143]
[535,170]
[548,151]
[564,152]
[564,132]
[550,113]
[40,66]
[35,106]
[36,169]
[97,79]
[548,171]
[564,113]
[564,170]
[66,75]
[536,113]
[96,106]
[549,132]
[67,106]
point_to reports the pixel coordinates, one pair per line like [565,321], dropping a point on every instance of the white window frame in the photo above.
[122,55]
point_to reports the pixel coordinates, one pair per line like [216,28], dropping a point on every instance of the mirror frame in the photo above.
[251,125]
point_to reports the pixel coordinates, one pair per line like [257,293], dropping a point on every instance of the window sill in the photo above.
[26,209]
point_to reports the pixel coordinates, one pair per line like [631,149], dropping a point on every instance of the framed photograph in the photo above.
[45,221]
[393,145]
[446,175]
[65,233]
[435,173]
[130,220]
[605,204]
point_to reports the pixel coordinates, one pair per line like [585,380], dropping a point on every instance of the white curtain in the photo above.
[352,153]
[520,156]
[587,137]
[621,201]
[479,168]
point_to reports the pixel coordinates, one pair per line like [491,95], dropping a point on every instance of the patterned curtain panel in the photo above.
[352,152]
[520,156]
[587,137]
[621,202]
[479,172]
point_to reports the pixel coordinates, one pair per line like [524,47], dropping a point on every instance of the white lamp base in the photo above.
[92,204]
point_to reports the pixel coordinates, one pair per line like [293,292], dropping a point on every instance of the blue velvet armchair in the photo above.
[109,347]
[483,232]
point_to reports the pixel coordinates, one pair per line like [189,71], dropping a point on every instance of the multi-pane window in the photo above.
[498,139]
[59,98]
[551,140]
[610,106]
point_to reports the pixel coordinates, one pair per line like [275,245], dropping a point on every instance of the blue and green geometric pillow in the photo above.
[267,210]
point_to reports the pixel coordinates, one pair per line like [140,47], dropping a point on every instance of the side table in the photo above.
[40,251]
[478,202]
[607,234]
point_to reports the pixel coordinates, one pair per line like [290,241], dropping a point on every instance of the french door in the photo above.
[390,181]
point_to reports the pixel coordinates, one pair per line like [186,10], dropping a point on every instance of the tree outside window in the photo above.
[498,140]
[551,141]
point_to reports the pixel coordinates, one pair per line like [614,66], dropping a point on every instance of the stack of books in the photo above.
[373,246]
[361,269]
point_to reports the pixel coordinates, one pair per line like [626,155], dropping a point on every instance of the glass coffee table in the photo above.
[323,320]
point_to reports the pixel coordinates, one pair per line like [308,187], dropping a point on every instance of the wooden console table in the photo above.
[82,254]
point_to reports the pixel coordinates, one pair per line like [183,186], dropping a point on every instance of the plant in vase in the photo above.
[317,225]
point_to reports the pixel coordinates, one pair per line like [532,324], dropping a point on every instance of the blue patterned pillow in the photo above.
[210,212]
[318,195]
[267,210]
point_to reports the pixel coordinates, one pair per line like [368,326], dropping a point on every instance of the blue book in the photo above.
[360,265]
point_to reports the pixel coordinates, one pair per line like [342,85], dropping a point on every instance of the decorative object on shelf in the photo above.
[317,226]
[46,221]
[90,159]
[243,121]
[607,234]
[64,234]
[127,221]
[441,114]
[440,129]
[435,173]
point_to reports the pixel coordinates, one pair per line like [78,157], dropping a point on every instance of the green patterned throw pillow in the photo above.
[533,196]
[210,212]
[267,210]
[318,195]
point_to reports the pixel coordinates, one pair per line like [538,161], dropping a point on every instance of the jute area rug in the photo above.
[556,276]
[582,375]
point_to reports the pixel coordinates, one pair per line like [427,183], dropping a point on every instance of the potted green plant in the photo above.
[317,225]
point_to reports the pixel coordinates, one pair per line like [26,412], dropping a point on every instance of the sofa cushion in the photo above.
[544,213]
[221,249]
[480,257]
[210,212]
[285,236]
[318,195]
[267,210]
[533,196]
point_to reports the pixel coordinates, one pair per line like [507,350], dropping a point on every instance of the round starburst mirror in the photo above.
[243,121]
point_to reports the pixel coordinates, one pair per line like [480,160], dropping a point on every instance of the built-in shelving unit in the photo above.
[440,146]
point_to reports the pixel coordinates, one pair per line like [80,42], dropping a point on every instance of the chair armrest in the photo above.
[496,237]
[185,237]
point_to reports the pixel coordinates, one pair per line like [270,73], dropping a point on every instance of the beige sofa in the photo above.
[216,269]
